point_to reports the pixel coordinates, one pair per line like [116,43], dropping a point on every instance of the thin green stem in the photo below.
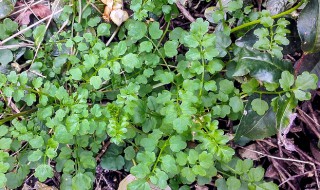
[164,34]
[230,168]
[266,92]
[224,173]
[159,155]
[220,4]
[165,62]
[274,17]
[37,92]
[202,77]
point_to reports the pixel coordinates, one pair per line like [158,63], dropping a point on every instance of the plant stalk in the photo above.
[274,17]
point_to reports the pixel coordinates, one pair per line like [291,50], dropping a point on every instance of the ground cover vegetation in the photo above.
[167,103]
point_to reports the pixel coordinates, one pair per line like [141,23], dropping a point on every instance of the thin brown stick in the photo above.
[103,150]
[315,119]
[306,156]
[29,7]
[185,12]
[289,159]
[20,45]
[295,176]
[283,173]
[112,36]
[309,122]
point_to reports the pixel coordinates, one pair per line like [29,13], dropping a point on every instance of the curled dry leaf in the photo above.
[106,14]
[287,143]
[119,16]
[114,12]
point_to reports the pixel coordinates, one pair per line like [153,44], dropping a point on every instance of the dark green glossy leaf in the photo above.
[256,126]
[261,66]
[309,28]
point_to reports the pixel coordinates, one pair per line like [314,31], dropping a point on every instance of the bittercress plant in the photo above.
[160,96]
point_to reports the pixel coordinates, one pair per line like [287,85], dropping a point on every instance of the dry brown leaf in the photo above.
[26,187]
[104,1]
[119,16]
[117,4]
[23,18]
[106,14]
[245,153]
[109,3]
[114,12]
[39,10]
[287,143]
[42,186]
[271,173]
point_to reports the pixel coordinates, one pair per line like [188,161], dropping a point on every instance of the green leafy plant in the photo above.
[157,95]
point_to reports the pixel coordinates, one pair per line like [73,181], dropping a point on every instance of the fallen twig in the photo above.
[185,12]
[103,150]
[289,159]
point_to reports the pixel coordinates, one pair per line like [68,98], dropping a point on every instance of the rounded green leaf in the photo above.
[140,170]
[306,81]
[256,174]
[287,80]
[104,73]
[6,7]
[236,104]
[3,130]
[76,73]
[112,162]
[35,155]
[3,180]
[154,30]
[5,143]
[233,183]
[170,48]
[6,56]
[103,29]
[36,142]
[43,172]
[260,106]
[96,82]
[177,144]
[81,181]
